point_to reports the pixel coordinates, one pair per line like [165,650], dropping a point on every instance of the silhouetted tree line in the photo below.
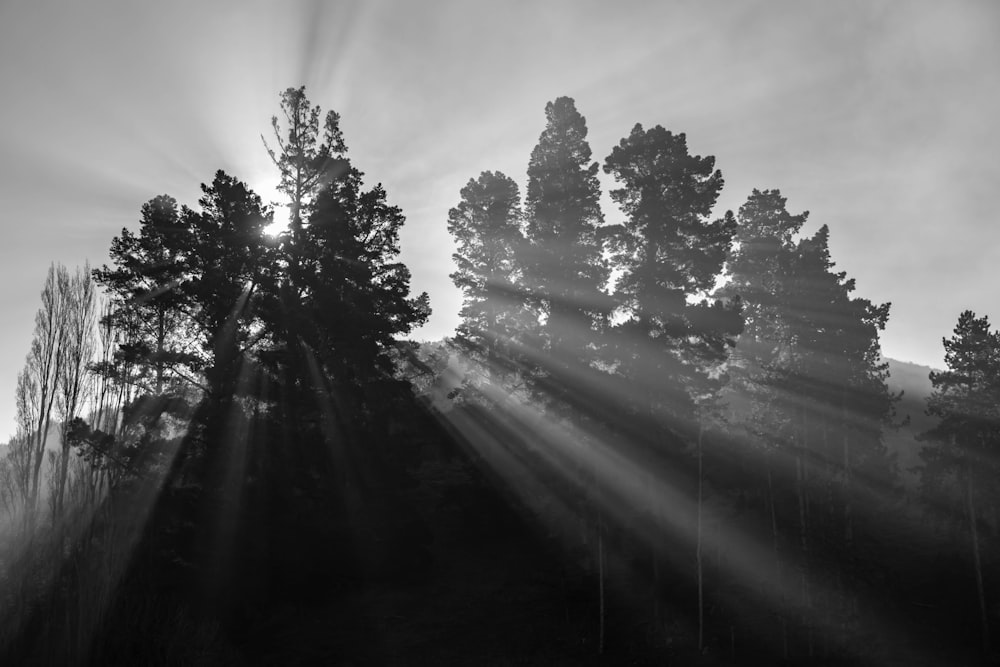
[678,419]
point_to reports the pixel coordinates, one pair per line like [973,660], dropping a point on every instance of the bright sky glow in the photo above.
[280,223]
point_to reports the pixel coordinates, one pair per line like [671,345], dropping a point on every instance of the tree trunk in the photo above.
[848,510]
[161,337]
[654,556]
[63,472]
[800,474]
[800,481]
[777,558]
[701,594]
[600,571]
[974,529]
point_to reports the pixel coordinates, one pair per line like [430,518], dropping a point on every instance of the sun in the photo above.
[280,223]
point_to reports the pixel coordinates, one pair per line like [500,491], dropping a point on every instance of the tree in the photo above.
[144,286]
[38,382]
[75,355]
[966,399]
[810,372]
[668,254]
[486,225]
[564,265]
[760,267]
[338,292]
[307,161]
[356,292]
[564,273]
[225,259]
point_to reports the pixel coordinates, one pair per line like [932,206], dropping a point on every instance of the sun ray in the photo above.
[616,474]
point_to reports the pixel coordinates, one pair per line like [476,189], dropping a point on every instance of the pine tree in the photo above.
[564,273]
[306,160]
[356,294]
[966,399]
[486,225]
[226,261]
[810,371]
[759,270]
[143,285]
[668,254]
[565,270]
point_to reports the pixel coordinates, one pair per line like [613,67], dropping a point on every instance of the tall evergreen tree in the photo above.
[564,265]
[760,266]
[225,259]
[966,399]
[336,299]
[486,225]
[564,274]
[143,285]
[809,371]
[356,291]
[668,254]
[305,157]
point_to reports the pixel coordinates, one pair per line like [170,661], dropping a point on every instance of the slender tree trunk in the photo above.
[800,492]
[777,557]
[63,472]
[654,543]
[698,548]
[800,473]
[42,439]
[848,509]
[161,336]
[600,569]
[974,529]
[653,555]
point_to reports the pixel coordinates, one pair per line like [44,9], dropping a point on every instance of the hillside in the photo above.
[913,381]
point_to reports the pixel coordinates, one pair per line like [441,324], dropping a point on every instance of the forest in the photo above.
[673,439]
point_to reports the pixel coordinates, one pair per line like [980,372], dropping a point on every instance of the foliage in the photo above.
[564,265]
[668,254]
[966,399]
[487,227]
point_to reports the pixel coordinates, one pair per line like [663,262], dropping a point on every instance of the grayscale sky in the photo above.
[881,118]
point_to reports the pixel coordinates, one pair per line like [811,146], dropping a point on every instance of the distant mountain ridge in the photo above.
[913,380]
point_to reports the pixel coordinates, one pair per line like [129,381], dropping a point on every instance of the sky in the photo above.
[880,118]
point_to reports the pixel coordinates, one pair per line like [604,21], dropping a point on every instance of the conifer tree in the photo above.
[810,371]
[966,399]
[337,292]
[759,271]
[224,257]
[356,293]
[564,275]
[565,270]
[306,159]
[143,285]
[486,225]
[668,254]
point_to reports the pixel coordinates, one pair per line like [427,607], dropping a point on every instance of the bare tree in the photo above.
[18,461]
[38,382]
[21,452]
[79,311]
